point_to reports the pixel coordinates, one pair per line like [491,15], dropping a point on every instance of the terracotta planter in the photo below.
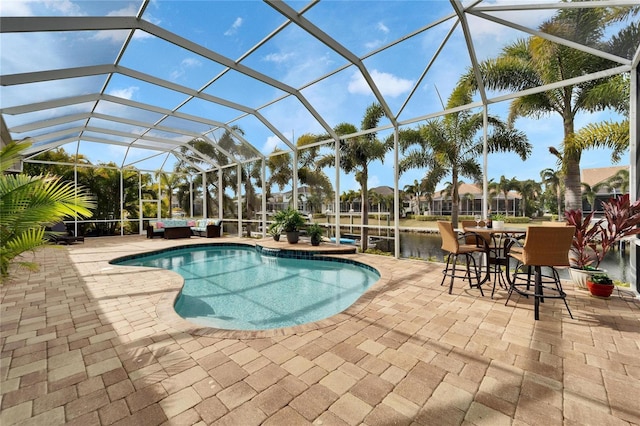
[600,290]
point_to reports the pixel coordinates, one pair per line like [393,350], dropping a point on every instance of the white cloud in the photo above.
[270,144]
[234,27]
[387,83]
[382,27]
[278,57]
[373,181]
[126,93]
[185,64]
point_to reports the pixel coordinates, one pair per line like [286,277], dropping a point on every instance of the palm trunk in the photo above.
[559,200]
[454,199]
[571,160]
[364,209]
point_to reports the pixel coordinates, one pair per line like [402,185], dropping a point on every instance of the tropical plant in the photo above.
[505,186]
[593,240]
[275,229]
[289,219]
[169,182]
[590,193]
[619,181]
[602,279]
[529,190]
[314,231]
[538,61]
[552,180]
[29,203]
[450,145]
[356,154]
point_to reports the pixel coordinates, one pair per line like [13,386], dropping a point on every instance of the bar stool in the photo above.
[451,244]
[544,246]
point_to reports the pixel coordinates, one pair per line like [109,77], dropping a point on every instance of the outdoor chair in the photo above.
[544,246]
[58,233]
[451,244]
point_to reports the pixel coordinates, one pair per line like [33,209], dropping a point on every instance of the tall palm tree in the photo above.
[169,182]
[536,61]
[415,190]
[619,181]
[505,185]
[590,193]
[552,180]
[529,190]
[357,153]
[29,203]
[450,145]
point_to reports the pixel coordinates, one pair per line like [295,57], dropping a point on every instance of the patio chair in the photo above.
[544,246]
[451,244]
[60,234]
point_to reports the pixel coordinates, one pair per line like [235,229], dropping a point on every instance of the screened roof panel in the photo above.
[128,112]
[278,69]
[68,49]
[140,91]
[243,89]
[294,57]
[179,65]
[53,89]
[363,26]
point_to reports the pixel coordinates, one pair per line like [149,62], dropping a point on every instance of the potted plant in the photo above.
[600,285]
[291,220]
[275,229]
[593,238]
[497,221]
[315,233]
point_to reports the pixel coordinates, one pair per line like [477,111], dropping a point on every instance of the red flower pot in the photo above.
[600,290]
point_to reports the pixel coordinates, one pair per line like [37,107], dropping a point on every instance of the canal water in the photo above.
[427,246]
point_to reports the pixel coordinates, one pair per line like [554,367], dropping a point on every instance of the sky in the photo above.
[293,57]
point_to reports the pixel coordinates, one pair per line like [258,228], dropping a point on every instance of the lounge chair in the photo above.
[58,233]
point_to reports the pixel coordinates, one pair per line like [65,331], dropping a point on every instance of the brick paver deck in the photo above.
[84,342]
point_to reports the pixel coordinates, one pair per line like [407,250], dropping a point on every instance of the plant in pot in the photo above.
[275,229]
[315,233]
[593,239]
[600,285]
[291,221]
[497,221]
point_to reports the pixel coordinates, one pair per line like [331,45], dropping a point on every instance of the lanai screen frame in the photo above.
[460,13]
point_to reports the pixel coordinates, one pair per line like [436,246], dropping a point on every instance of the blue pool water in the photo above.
[237,288]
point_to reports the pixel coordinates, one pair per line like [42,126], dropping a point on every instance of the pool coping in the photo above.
[167,314]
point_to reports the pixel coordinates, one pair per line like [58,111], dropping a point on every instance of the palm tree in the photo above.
[619,181]
[536,61]
[29,203]
[449,146]
[529,190]
[590,193]
[169,182]
[552,180]
[349,196]
[415,190]
[505,185]
[357,153]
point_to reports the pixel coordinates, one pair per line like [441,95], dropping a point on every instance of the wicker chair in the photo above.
[451,244]
[544,246]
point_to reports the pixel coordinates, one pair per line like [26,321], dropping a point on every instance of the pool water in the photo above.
[237,288]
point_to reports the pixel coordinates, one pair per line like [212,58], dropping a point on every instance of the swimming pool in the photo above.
[235,287]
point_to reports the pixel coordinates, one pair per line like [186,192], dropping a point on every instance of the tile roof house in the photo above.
[600,179]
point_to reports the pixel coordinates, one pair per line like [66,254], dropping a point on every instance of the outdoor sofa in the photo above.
[208,228]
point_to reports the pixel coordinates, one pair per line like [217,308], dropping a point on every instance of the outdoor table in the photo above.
[489,234]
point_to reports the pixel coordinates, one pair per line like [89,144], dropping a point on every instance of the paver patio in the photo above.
[84,342]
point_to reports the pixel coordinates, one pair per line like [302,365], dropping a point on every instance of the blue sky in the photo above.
[292,56]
